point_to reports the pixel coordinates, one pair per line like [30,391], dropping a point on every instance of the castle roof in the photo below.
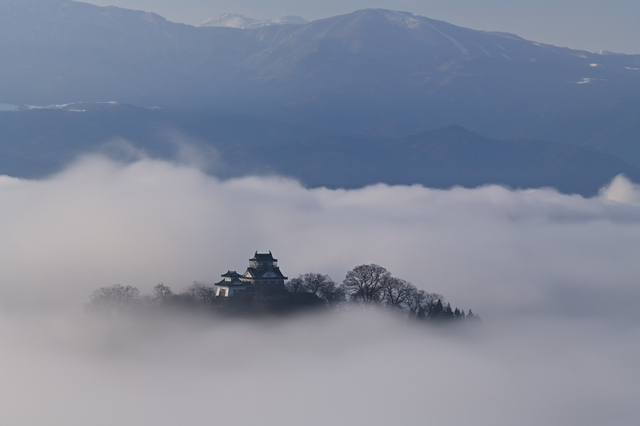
[231,274]
[263,257]
[266,273]
[234,282]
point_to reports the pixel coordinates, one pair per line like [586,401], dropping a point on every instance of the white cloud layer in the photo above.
[553,276]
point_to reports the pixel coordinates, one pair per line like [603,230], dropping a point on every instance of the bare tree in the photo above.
[162,294]
[112,300]
[420,303]
[333,293]
[396,292]
[318,284]
[415,303]
[433,301]
[315,283]
[295,285]
[161,291]
[364,283]
[201,293]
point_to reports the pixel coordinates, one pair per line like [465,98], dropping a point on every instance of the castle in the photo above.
[262,276]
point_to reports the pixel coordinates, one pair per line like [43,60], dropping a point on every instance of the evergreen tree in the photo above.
[437,310]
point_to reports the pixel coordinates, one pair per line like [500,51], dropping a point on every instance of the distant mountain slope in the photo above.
[613,128]
[371,71]
[383,71]
[39,141]
[441,159]
[59,134]
[18,166]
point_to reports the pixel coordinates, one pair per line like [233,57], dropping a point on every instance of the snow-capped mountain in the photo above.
[380,73]
[289,20]
[371,71]
[231,20]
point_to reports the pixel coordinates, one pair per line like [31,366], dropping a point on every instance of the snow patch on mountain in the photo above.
[72,106]
[455,42]
[228,20]
[507,35]
[608,53]
[484,51]
[231,20]
[289,20]
[412,23]
[588,80]
[403,18]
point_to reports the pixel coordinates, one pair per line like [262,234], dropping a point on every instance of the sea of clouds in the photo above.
[553,276]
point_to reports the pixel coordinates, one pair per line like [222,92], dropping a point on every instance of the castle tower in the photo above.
[262,276]
[263,272]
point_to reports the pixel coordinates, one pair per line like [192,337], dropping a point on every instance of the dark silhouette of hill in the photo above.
[37,142]
[613,128]
[444,158]
[60,134]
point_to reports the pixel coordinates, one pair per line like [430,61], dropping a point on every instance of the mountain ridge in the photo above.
[38,142]
[396,72]
[372,72]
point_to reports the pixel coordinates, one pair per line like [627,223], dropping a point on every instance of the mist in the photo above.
[553,276]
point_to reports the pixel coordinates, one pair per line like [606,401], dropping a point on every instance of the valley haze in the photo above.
[554,277]
[494,170]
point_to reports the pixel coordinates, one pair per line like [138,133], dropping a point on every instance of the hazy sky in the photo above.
[584,24]
[554,276]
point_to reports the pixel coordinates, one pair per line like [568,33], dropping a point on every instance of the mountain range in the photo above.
[232,20]
[39,141]
[371,71]
[373,75]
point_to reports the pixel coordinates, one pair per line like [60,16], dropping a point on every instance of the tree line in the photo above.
[374,285]
[370,285]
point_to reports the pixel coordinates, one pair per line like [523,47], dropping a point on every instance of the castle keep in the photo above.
[263,275]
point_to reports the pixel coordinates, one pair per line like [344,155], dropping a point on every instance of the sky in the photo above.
[591,25]
[553,276]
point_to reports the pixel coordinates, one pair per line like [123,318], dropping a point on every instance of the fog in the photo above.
[553,276]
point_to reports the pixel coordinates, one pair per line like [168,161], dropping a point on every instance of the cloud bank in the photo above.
[553,276]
